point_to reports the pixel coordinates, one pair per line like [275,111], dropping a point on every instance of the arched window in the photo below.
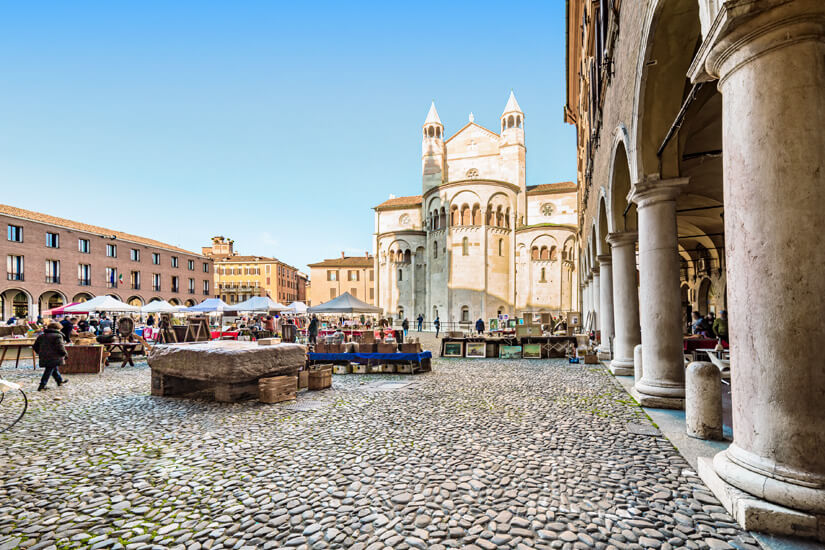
[435,249]
[438,132]
[392,256]
[400,275]
[465,246]
[407,256]
[503,125]
[430,131]
[501,247]
[553,253]
[543,273]
[534,253]
[401,313]
[510,121]
[454,218]
[507,219]
[466,215]
[465,314]
[499,217]
[518,121]
[544,254]
[442,219]
[476,215]
[490,217]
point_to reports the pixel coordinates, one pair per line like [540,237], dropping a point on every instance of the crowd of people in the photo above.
[710,326]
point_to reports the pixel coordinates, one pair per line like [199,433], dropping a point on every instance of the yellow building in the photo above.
[331,278]
[238,277]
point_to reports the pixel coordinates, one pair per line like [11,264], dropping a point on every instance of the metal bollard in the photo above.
[637,363]
[703,401]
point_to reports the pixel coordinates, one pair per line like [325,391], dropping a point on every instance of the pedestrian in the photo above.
[83,325]
[420,321]
[51,353]
[67,327]
[405,324]
[12,320]
[720,326]
[105,322]
[106,337]
[312,330]
[269,324]
[150,321]
[480,326]
[437,325]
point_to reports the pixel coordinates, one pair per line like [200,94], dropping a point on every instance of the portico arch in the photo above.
[17,302]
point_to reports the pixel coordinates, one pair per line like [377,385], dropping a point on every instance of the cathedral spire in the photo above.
[432,116]
[512,105]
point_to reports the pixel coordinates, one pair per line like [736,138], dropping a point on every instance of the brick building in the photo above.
[52,261]
[353,274]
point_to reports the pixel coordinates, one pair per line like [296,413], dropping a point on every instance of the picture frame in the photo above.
[531,351]
[493,324]
[476,350]
[453,349]
[509,352]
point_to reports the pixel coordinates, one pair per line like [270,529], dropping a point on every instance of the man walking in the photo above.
[420,321]
[51,352]
[437,325]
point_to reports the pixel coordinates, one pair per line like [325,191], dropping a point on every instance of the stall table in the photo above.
[126,348]
[17,344]
[84,360]
[422,359]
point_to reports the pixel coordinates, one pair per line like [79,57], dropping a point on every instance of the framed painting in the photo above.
[509,352]
[531,351]
[453,349]
[476,349]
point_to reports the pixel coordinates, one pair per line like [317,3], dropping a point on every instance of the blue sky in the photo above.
[279,125]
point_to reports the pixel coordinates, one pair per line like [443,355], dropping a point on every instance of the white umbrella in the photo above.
[297,307]
[159,306]
[102,304]
[345,303]
[257,303]
[208,306]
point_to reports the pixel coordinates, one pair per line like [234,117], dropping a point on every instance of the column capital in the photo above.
[595,270]
[652,190]
[622,238]
[744,30]
[604,259]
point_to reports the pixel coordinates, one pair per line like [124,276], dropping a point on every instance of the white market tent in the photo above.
[208,306]
[159,306]
[257,303]
[102,304]
[345,303]
[299,308]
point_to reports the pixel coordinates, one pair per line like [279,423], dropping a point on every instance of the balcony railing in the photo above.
[156,288]
[52,279]
[111,284]
[175,289]
[15,277]
[135,286]
[84,282]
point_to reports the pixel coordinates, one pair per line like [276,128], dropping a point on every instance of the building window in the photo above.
[332,275]
[372,294]
[156,282]
[174,261]
[155,258]
[205,267]
[83,246]
[134,255]
[84,274]
[135,279]
[111,250]
[191,286]
[52,240]
[401,313]
[353,275]
[331,293]
[372,275]
[53,271]
[111,276]
[175,287]
[206,288]
[543,276]
[501,247]
[15,233]
[465,314]
[190,264]
[400,275]
[465,246]
[435,249]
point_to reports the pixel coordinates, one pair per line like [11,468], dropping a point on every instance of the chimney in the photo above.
[367,254]
[342,255]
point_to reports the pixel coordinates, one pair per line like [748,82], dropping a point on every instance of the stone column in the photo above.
[588,281]
[625,302]
[605,302]
[663,382]
[770,63]
[595,297]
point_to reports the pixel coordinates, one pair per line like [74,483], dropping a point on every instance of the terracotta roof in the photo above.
[245,259]
[561,187]
[398,202]
[78,226]
[348,261]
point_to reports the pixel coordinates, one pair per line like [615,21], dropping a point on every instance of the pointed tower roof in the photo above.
[512,105]
[432,116]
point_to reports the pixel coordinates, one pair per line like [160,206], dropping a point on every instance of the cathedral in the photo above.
[478,242]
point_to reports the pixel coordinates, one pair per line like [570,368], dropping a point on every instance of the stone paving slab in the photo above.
[477,454]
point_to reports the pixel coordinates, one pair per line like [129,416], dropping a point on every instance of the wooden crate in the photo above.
[387,348]
[367,347]
[341,369]
[411,348]
[591,359]
[320,379]
[375,369]
[320,347]
[303,379]
[83,360]
[389,368]
[277,389]
[359,369]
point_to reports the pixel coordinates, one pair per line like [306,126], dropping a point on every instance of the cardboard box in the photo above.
[359,369]
[341,369]
[410,348]
[387,348]
[591,359]
[268,341]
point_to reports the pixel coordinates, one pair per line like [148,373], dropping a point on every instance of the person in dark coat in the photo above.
[437,325]
[480,327]
[405,324]
[51,352]
[67,327]
[150,321]
[313,330]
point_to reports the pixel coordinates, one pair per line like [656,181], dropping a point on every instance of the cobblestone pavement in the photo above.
[477,454]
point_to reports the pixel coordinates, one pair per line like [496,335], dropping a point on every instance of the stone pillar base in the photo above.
[657,402]
[604,353]
[754,514]
[622,367]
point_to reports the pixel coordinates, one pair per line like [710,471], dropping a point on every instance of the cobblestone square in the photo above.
[477,454]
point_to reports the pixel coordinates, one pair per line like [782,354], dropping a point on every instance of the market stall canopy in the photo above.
[345,303]
[297,307]
[61,310]
[102,304]
[208,306]
[258,303]
[159,306]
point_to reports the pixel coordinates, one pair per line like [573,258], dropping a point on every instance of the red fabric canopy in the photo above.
[59,310]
